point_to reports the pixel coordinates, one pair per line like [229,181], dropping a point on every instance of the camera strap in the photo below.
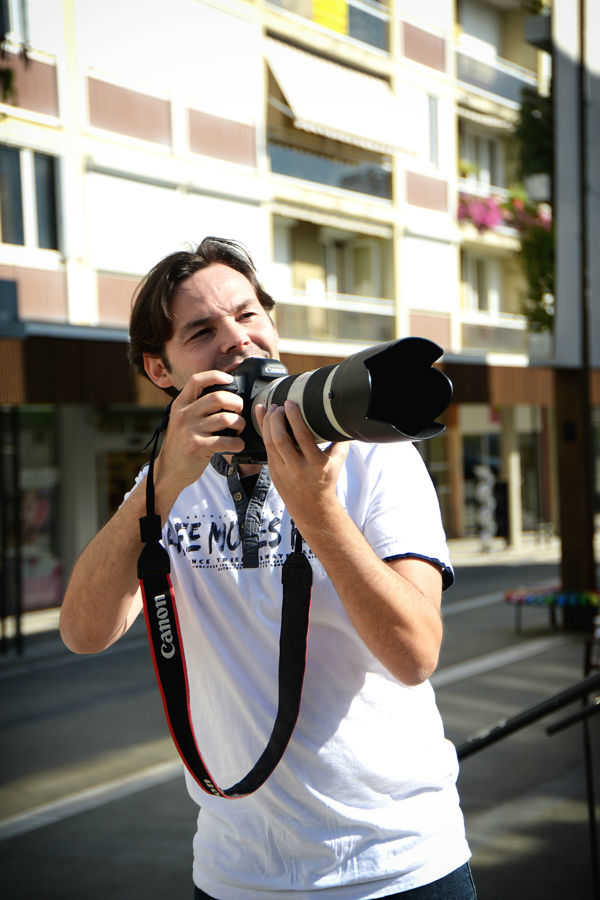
[167,650]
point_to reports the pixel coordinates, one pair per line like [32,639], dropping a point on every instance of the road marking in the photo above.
[474,603]
[488,599]
[91,798]
[505,657]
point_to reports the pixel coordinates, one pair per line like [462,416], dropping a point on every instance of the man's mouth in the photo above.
[230,367]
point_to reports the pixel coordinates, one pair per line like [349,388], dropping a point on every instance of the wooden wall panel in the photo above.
[12,376]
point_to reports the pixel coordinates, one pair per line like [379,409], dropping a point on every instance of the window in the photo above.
[352,265]
[434,150]
[482,159]
[14,20]
[482,279]
[11,205]
[481,285]
[28,198]
[45,196]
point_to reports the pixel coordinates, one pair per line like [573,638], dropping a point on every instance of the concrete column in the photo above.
[550,468]
[77,463]
[511,473]
[82,290]
[456,526]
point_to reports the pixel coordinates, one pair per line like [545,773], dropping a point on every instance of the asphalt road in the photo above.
[92,800]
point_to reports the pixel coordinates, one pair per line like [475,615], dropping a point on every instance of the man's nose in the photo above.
[233,335]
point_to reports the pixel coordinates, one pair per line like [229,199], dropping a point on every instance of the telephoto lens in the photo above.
[389,392]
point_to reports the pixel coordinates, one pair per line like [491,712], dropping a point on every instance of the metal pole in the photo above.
[3,535]
[585,359]
[17,527]
[528,716]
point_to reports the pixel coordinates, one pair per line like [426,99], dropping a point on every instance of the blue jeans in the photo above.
[458,885]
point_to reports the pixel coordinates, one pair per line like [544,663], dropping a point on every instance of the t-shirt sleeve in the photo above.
[139,477]
[403,516]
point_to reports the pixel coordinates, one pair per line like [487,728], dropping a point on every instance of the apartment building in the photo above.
[350,145]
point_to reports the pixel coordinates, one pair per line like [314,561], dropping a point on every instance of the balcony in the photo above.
[364,20]
[366,178]
[329,317]
[501,333]
[503,79]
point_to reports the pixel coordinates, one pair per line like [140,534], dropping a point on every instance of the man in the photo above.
[363,803]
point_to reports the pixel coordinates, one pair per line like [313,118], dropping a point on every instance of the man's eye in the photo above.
[247,315]
[204,332]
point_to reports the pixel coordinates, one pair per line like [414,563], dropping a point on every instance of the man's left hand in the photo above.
[305,476]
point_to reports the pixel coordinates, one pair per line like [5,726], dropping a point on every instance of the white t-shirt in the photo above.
[364,801]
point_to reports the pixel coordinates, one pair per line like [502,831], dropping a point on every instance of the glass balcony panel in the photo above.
[366,178]
[367,26]
[494,338]
[492,78]
[322,324]
[364,20]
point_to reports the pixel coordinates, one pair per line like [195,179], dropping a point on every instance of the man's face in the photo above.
[217,322]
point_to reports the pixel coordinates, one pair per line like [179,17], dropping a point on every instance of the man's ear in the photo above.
[157,371]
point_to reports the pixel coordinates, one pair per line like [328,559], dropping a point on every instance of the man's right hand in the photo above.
[193,434]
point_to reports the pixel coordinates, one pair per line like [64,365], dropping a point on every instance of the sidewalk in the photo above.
[533,548]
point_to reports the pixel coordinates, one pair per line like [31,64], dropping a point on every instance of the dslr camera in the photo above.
[389,392]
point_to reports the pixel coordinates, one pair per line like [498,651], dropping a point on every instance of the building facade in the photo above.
[360,149]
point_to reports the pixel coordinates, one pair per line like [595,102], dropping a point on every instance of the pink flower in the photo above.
[483,212]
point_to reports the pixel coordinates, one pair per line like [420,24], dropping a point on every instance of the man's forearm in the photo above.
[394,608]
[102,596]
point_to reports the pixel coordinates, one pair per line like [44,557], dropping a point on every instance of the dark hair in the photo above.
[151,323]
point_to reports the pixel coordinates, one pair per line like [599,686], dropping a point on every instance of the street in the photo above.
[93,804]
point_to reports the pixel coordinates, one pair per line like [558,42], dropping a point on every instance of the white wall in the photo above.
[430,274]
[132,225]
[433,15]
[200,56]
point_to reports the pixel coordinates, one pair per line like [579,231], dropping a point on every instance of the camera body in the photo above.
[250,379]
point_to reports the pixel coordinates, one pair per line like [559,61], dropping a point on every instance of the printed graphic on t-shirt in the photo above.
[215,541]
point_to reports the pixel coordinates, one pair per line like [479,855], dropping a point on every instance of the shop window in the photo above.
[28,198]
[434,453]
[42,570]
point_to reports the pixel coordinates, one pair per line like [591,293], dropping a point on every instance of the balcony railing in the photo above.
[366,178]
[363,20]
[502,78]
